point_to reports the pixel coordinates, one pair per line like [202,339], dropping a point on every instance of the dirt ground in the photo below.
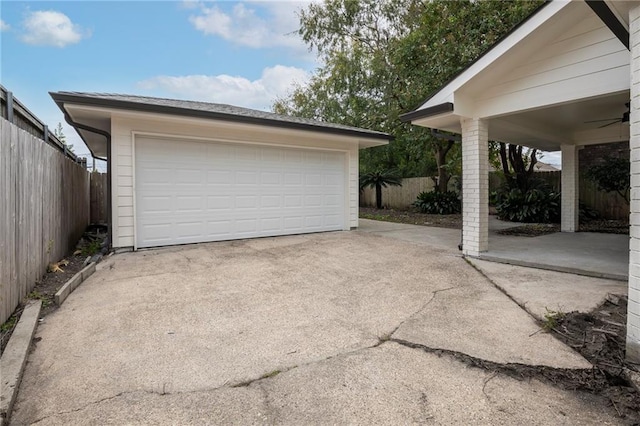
[49,284]
[600,337]
[414,217]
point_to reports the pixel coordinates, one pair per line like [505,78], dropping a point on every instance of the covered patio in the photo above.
[545,85]
[584,253]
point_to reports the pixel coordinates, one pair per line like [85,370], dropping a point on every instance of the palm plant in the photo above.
[379,179]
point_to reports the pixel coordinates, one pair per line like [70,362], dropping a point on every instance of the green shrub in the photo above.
[438,202]
[537,205]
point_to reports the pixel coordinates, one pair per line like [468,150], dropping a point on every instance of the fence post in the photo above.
[10,106]
[45,130]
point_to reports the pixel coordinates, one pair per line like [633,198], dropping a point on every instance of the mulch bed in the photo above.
[454,221]
[413,217]
[532,230]
[600,336]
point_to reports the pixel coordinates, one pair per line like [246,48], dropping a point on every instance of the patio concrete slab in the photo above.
[183,322]
[584,253]
[539,291]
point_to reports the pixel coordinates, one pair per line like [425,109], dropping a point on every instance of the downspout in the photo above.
[107,136]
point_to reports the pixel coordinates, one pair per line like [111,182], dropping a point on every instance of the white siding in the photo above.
[124,127]
[587,60]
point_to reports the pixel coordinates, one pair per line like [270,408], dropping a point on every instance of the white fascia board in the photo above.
[446,94]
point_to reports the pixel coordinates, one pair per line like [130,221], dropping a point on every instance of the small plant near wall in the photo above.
[536,205]
[435,202]
[379,179]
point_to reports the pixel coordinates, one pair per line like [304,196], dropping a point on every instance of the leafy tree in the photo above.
[382,59]
[380,179]
[61,137]
[612,175]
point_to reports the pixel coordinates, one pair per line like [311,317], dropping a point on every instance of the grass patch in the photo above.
[552,319]
[35,295]
[372,216]
[9,324]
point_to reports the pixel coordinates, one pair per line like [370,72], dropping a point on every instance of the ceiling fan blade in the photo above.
[610,124]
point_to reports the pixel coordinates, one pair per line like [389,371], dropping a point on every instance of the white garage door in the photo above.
[189,192]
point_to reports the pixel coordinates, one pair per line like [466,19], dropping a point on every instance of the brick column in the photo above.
[569,209]
[633,309]
[475,186]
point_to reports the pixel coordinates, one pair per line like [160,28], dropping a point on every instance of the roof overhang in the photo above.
[549,119]
[91,117]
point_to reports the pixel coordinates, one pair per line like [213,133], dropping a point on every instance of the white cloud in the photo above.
[189,4]
[256,25]
[4,26]
[235,90]
[553,158]
[51,28]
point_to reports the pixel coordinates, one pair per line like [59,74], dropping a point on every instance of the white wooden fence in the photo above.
[44,210]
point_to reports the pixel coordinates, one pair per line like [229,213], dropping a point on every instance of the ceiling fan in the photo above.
[612,121]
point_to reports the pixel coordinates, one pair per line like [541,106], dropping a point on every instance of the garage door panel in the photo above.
[190,191]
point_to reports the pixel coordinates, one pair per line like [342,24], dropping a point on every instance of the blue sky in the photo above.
[241,53]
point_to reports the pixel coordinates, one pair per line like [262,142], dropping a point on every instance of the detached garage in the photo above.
[187,172]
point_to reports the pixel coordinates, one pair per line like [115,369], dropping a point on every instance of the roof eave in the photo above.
[61,98]
[440,109]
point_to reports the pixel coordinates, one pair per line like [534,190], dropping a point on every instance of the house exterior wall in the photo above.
[633,307]
[124,129]
[585,60]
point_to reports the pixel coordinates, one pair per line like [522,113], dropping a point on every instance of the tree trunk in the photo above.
[378,196]
[441,151]
[515,170]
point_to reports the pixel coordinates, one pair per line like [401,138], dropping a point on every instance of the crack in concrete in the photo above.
[564,378]
[422,308]
[583,379]
[75,410]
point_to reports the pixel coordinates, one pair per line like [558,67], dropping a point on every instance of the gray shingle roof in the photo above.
[209,110]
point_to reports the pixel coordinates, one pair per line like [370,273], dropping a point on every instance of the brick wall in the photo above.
[475,186]
[633,317]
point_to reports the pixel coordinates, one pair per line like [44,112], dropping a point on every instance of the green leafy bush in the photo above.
[438,202]
[537,205]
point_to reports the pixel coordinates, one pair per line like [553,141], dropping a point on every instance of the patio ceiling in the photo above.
[548,128]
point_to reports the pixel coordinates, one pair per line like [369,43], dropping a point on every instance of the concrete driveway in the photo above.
[346,327]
